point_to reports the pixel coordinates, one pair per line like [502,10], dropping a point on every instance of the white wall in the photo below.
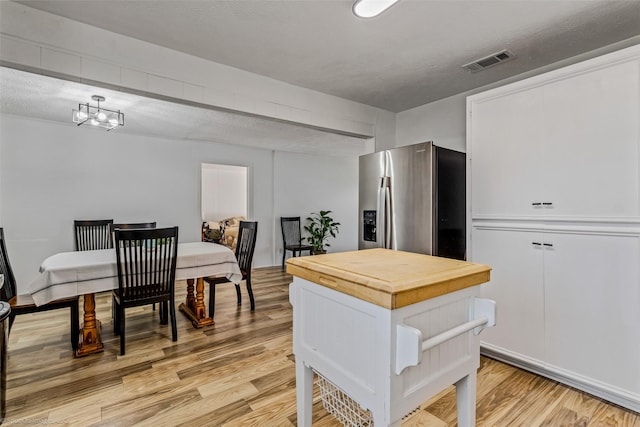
[444,121]
[305,184]
[51,174]
[385,133]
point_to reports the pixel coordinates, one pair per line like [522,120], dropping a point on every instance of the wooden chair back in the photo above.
[246,245]
[146,263]
[93,234]
[8,290]
[132,226]
[291,234]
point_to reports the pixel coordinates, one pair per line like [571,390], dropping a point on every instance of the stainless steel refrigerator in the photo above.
[413,199]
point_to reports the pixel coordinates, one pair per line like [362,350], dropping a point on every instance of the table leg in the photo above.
[191,300]
[194,307]
[304,393]
[466,400]
[91,342]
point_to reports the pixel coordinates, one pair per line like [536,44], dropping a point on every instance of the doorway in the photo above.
[223,191]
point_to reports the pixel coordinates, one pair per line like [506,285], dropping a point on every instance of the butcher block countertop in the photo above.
[388,278]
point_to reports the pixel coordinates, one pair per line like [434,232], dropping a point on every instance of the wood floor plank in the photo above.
[613,416]
[212,406]
[534,407]
[238,372]
[507,395]
[221,417]
[79,411]
[246,371]
[282,377]
[273,414]
[575,408]
[135,405]
[147,381]
[283,396]
[423,419]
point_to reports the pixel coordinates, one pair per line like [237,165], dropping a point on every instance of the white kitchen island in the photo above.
[386,330]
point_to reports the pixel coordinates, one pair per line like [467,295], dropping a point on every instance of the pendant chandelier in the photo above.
[97,116]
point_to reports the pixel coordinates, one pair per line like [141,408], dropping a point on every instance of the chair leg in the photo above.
[163,313]
[166,312]
[238,295]
[75,326]
[284,255]
[12,318]
[114,316]
[250,291]
[121,322]
[174,327]
[212,299]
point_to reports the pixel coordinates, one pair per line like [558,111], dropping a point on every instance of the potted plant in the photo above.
[320,226]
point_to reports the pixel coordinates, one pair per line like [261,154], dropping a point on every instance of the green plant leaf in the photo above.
[320,227]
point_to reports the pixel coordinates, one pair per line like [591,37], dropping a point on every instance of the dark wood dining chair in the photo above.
[93,234]
[146,263]
[292,237]
[23,304]
[133,225]
[245,247]
[128,226]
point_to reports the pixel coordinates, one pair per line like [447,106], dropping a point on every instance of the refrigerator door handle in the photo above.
[384,212]
[387,216]
[380,211]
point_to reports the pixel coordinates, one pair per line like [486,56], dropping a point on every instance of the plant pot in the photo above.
[319,252]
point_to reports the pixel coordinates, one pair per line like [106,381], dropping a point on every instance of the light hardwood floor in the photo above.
[239,372]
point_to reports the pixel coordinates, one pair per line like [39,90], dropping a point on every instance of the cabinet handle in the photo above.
[536,204]
[549,245]
[547,204]
[536,243]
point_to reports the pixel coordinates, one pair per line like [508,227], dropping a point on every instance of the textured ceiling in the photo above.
[408,56]
[46,98]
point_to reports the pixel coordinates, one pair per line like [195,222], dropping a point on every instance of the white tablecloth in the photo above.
[69,274]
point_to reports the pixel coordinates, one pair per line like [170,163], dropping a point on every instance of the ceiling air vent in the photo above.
[489,61]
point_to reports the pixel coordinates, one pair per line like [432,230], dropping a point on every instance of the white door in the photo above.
[505,154]
[516,286]
[590,138]
[592,299]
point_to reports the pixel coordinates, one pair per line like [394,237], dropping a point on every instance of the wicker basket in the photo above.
[342,406]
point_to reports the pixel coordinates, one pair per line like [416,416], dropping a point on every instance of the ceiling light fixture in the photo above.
[371,8]
[96,116]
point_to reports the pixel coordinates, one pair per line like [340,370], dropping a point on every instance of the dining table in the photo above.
[69,274]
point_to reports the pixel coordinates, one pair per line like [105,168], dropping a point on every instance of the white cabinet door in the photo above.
[516,286]
[590,137]
[569,147]
[505,152]
[592,305]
